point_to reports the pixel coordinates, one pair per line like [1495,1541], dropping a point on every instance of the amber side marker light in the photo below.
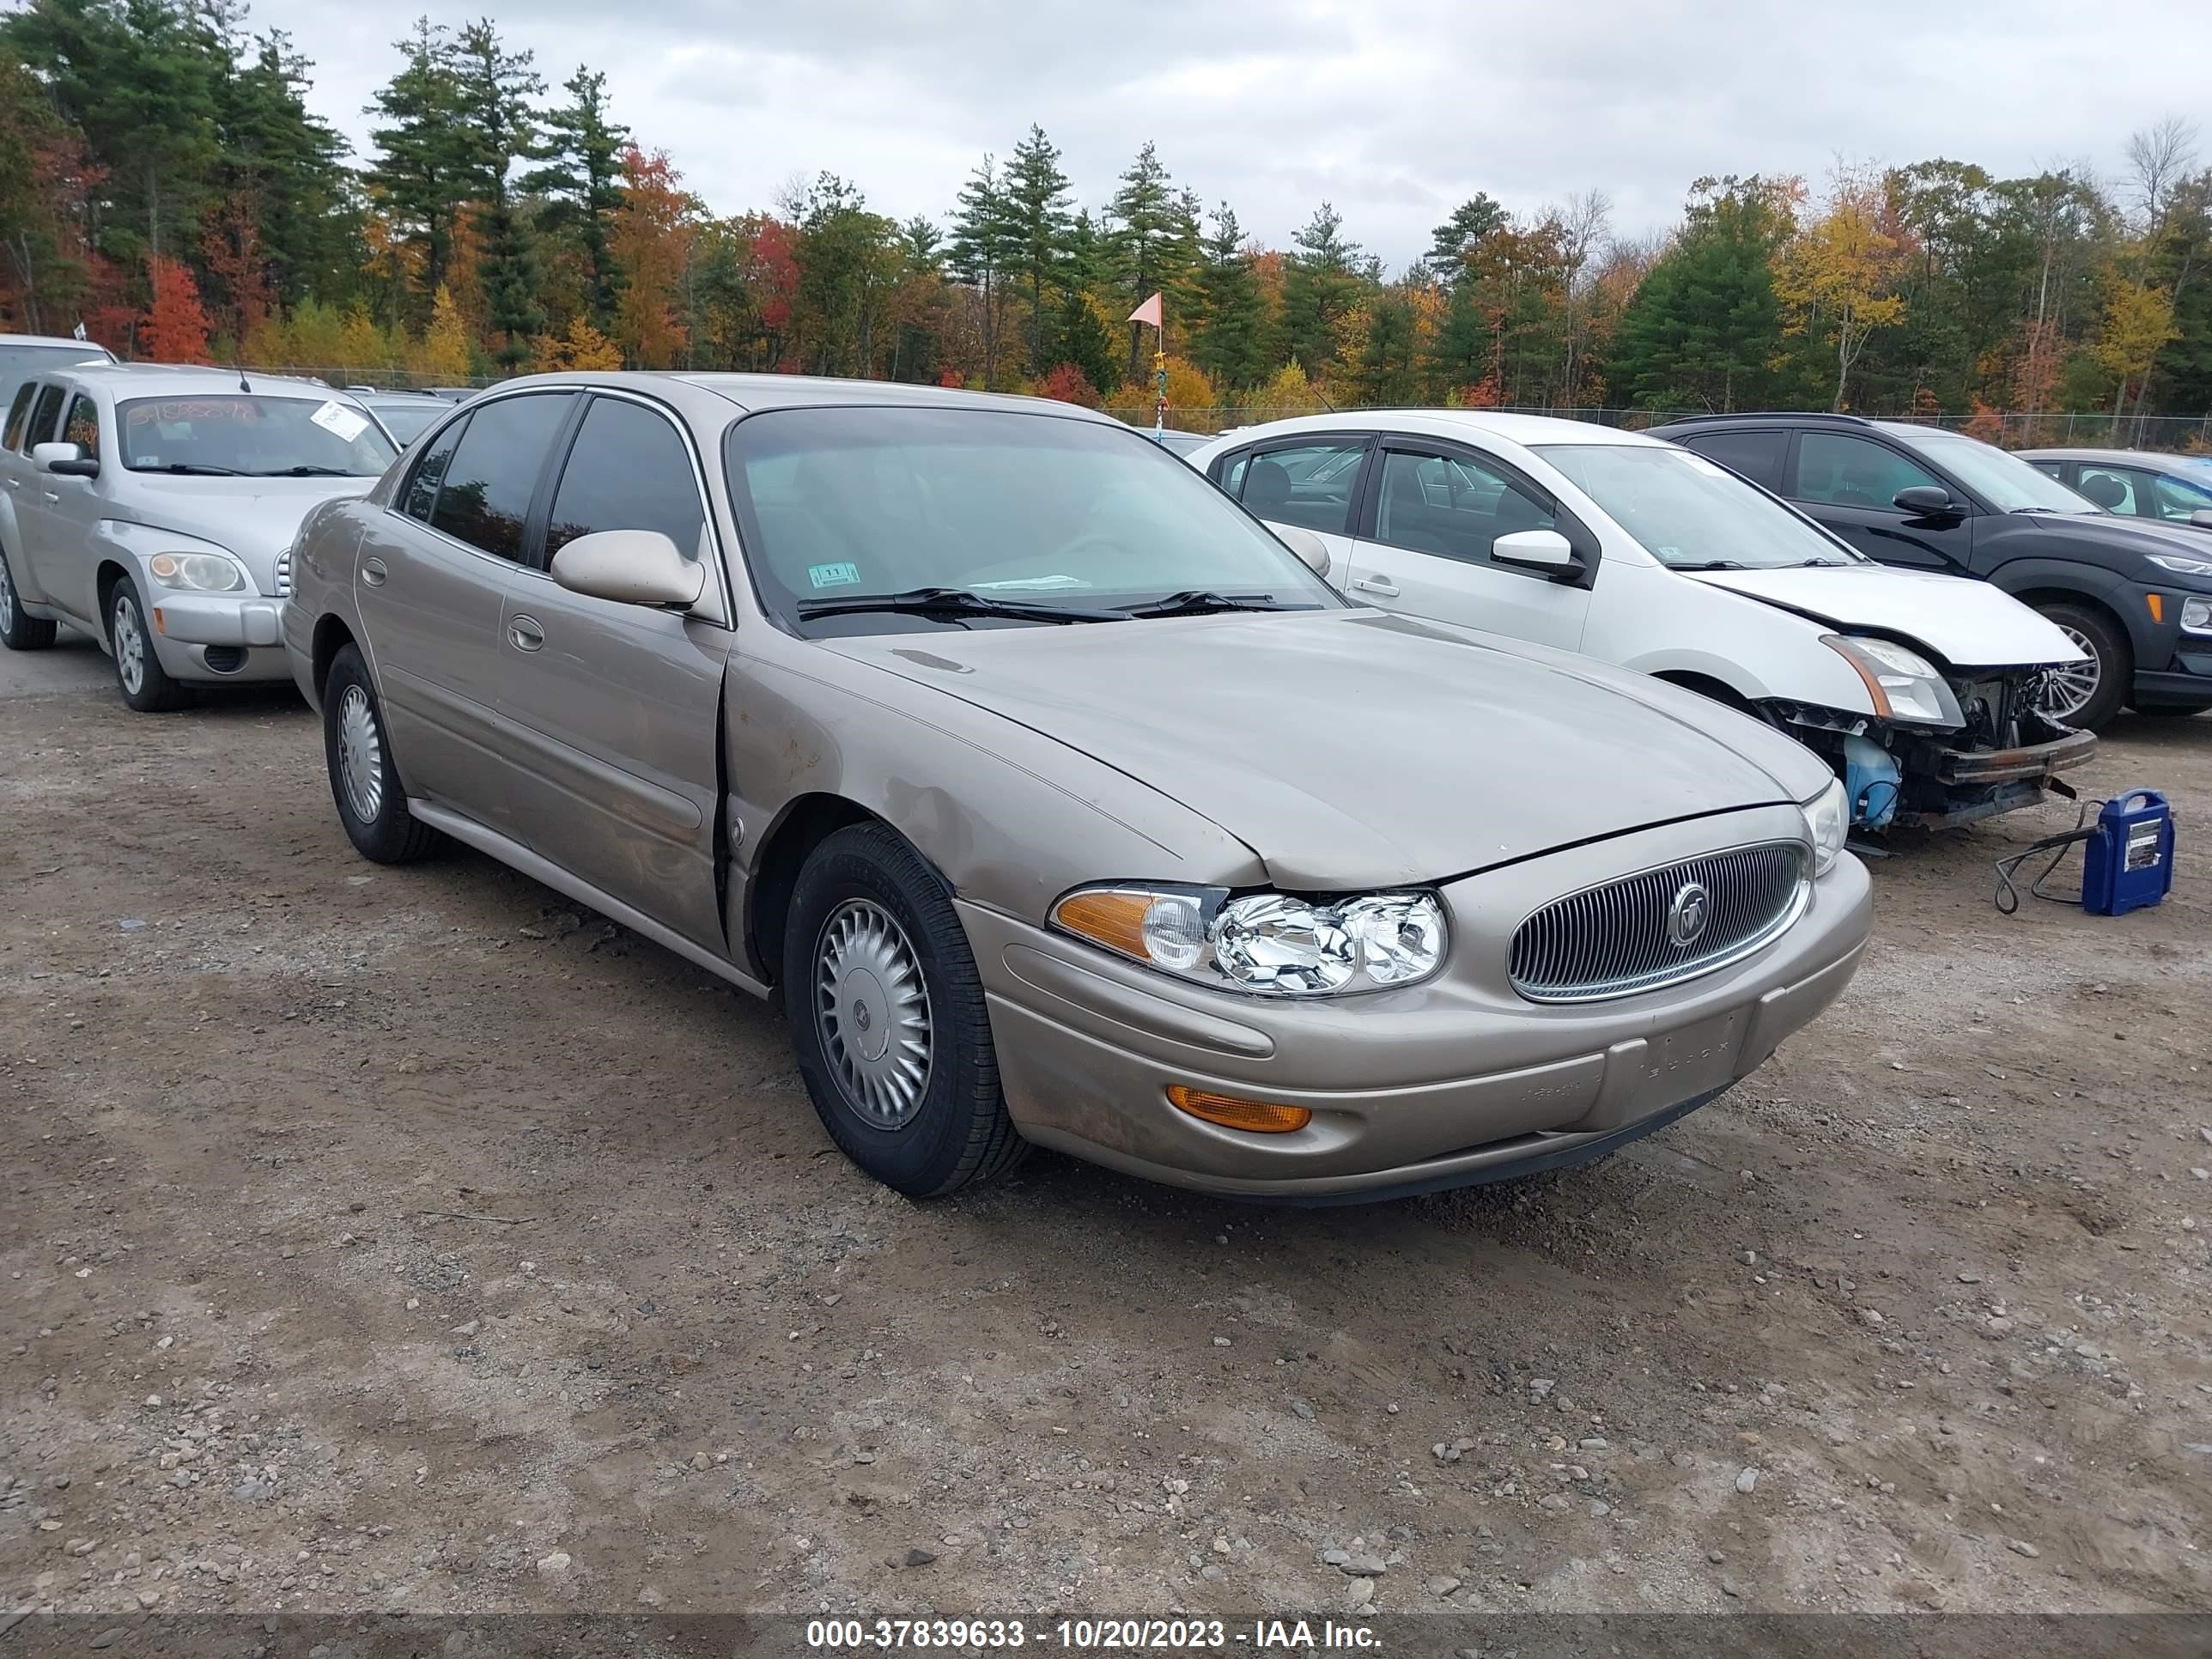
[1260,1116]
[2157,607]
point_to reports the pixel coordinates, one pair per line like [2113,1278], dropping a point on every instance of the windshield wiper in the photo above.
[309,472]
[951,602]
[197,469]
[1198,602]
[1712,564]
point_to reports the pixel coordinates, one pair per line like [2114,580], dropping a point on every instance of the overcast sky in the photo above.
[1396,112]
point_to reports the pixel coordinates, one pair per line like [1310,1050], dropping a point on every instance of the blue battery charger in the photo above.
[2127,862]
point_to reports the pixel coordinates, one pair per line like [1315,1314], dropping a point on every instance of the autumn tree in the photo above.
[176,328]
[444,353]
[651,238]
[2138,321]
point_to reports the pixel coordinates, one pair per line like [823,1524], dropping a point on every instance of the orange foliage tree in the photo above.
[176,328]
[652,242]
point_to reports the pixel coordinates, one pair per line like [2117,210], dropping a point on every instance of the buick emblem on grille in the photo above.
[1688,915]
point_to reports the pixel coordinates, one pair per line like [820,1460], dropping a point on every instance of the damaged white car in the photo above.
[1919,690]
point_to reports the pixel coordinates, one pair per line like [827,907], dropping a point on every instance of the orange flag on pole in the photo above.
[1147,313]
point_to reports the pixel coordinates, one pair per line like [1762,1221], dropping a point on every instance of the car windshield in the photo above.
[1690,513]
[406,421]
[253,435]
[978,507]
[2004,481]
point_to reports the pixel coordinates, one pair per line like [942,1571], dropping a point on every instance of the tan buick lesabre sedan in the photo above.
[1059,801]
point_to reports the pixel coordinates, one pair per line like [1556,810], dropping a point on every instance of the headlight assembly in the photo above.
[1269,943]
[201,573]
[2197,616]
[1904,685]
[1828,821]
[2181,566]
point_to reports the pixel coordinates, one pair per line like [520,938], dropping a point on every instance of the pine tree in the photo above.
[1228,339]
[583,149]
[985,241]
[1470,222]
[1322,281]
[1704,326]
[1154,239]
[1387,375]
[1036,195]
[423,170]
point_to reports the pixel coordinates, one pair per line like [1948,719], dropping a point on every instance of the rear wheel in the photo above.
[2088,694]
[888,1020]
[364,782]
[145,684]
[19,630]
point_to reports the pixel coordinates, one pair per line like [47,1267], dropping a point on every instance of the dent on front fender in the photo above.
[1010,818]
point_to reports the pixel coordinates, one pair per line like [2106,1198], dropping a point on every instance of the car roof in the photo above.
[1531,430]
[59,342]
[756,393]
[2151,458]
[188,380]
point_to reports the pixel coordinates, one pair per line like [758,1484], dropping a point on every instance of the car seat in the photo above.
[2107,490]
[1268,489]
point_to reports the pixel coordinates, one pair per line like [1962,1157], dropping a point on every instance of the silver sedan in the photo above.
[155,509]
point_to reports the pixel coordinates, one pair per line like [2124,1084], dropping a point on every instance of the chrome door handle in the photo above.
[1381,585]
[373,573]
[524,635]
[50,496]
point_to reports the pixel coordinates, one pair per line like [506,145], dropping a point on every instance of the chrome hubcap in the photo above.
[130,645]
[360,754]
[7,595]
[872,1010]
[2066,691]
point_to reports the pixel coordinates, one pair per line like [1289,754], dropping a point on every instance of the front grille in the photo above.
[285,574]
[1628,935]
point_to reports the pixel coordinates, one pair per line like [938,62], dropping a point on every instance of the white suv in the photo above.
[1920,690]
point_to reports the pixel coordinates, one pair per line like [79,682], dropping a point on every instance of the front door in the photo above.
[1849,484]
[36,495]
[1424,547]
[74,508]
[614,709]
[432,580]
[1311,481]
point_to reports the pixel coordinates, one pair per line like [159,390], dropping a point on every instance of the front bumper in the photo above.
[1945,787]
[217,637]
[1448,1084]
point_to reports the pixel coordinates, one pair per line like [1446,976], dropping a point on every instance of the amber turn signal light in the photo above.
[1260,1116]
[1114,919]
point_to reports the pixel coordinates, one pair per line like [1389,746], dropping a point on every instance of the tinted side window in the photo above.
[628,470]
[1310,484]
[2176,498]
[1848,471]
[19,413]
[1450,506]
[1756,455]
[83,427]
[2115,489]
[422,494]
[44,414]
[485,498]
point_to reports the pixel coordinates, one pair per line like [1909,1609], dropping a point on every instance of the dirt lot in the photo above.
[405,1238]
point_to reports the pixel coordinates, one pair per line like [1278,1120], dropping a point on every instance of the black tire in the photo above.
[19,631]
[949,1130]
[145,684]
[2106,641]
[373,806]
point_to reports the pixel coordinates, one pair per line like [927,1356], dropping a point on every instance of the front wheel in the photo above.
[2087,695]
[19,630]
[365,784]
[888,1020]
[145,684]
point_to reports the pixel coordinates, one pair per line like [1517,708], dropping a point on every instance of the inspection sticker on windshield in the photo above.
[833,575]
[336,417]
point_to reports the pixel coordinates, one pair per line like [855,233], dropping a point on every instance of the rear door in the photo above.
[432,580]
[1312,481]
[1849,484]
[613,710]
[34,490]
[1424,541]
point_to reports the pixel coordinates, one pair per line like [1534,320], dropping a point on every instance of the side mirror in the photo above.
[2202,519]
[64,461]
[1543,551]
[1925,501]
[1312,551]
[629,566]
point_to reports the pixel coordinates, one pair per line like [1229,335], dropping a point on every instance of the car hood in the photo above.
[1352,749]
[254,518]
[1968,623]
[2112,532]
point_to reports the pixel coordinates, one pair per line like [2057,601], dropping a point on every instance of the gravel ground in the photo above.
[383,1238]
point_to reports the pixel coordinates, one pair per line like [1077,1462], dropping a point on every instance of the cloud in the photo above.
[1395,113]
